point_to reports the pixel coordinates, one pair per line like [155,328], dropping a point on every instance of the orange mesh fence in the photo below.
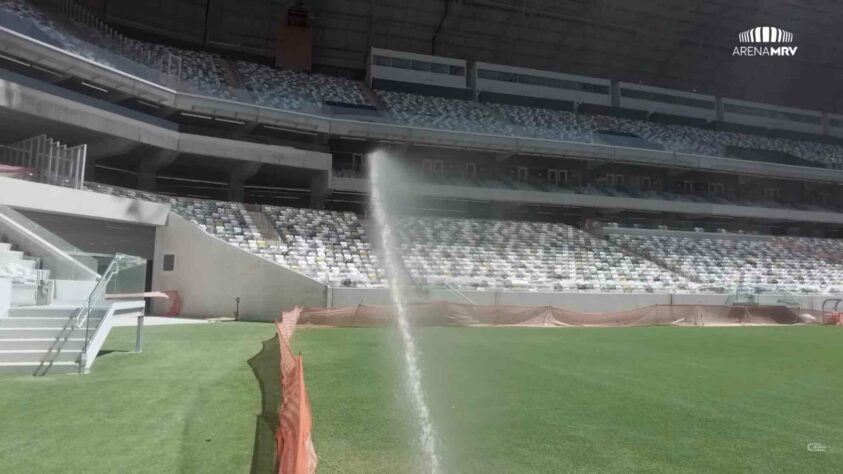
[175,303]
[296,454]
[455,314]
[289,319]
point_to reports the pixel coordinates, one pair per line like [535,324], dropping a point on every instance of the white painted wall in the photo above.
[23,295]
[5,296]
[532,90]
[772,122]
[72,291]
[209,274]
[414,76]
[664,107]
[585,302]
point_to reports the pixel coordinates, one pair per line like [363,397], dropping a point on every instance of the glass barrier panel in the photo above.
[64,260]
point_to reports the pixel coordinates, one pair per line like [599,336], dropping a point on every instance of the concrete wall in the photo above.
[5,296]
[209,274]
[589,200]
[74,291]
[26,195]
[99,236]
[586,302]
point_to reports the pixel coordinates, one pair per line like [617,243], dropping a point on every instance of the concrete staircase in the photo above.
[38,335]
[37,339]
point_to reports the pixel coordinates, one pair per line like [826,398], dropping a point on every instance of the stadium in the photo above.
[454,236]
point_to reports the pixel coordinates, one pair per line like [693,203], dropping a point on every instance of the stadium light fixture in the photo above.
[92,86]
[203,117]
[237,122]
[148,104]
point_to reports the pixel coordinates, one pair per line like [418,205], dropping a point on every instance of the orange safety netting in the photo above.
[455,314]
[175,303]
[296,454]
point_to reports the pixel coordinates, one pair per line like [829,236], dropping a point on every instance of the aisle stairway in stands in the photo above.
[267,230]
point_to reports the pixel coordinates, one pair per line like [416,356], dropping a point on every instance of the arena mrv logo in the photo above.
[765,41]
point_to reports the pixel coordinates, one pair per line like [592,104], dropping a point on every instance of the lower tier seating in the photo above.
[769,265]
[335,248]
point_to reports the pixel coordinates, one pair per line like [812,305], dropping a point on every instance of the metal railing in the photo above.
[92,313]
[47,161]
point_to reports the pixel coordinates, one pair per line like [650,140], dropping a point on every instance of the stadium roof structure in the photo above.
[684,44]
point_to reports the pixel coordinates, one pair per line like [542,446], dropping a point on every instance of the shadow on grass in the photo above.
[105,352]
[266,366]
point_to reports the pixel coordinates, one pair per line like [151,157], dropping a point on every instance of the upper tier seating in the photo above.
[200,71]
[506,119]
[762,266]
[492,254]
[205,73]
[287,89]
[449,114]
[52,30]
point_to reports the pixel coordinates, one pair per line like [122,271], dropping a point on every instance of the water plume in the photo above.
[385,185]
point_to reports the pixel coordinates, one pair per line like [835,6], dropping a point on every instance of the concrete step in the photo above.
[29,368]
[5,246]
[42,311]
[28,263]
[10,256]
[34,322]
[34,355]
[39,333]
[43,344]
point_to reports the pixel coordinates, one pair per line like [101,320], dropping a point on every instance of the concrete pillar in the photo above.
[90,163]
[238,177]
[616,94]
[318,189]
[108,147]
[498,210]
[149,165]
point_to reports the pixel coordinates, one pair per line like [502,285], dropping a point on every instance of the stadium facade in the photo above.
[547,187]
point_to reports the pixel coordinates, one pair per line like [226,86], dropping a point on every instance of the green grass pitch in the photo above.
[509,400]
[187,404]
[652,399]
